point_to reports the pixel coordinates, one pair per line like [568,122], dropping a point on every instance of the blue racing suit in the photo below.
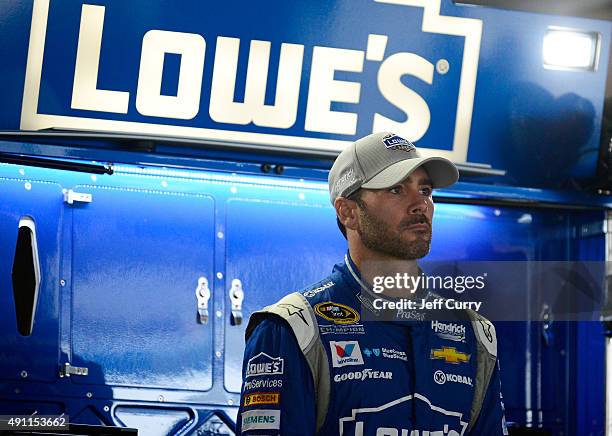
[329,371]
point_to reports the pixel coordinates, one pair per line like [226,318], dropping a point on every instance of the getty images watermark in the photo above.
[404,283]
[499,290]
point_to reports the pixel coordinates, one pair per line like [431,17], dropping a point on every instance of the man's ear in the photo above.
[347,213]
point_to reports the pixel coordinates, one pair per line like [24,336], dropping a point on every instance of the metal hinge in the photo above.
[70,197]
[67,370]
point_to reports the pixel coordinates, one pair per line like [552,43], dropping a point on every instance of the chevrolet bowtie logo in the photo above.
[450,355]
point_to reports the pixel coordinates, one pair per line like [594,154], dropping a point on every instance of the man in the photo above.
[327,361]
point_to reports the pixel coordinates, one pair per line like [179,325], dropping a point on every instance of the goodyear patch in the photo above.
[337,313]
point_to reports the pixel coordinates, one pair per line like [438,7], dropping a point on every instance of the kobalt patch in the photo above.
[441,377]
[315,291]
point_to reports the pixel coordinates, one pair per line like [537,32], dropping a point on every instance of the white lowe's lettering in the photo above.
[149,100]
[323,89]
[223,108]
[391,87]
[85,92]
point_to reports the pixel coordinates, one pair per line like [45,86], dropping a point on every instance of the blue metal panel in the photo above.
[34,357]
[137,257]
[274,248]
[544,122]
[136,252]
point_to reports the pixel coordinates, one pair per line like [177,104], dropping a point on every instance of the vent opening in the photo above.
[26,276]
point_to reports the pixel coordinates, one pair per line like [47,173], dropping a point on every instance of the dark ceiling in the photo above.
[600,9]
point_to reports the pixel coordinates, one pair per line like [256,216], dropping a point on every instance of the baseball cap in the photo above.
[381,160]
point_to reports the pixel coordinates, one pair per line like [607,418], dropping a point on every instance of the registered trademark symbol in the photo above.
[442,66]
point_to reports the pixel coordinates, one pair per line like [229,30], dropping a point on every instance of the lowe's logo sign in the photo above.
[315,79]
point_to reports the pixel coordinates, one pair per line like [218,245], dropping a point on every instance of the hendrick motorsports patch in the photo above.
[337,313]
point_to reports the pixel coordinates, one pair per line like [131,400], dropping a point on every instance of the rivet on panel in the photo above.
[94,177]
[442,66]
[219,275]
[106,408]
[22,171]
[230,402]
[301,196]
[63,282]
[219,314]
[218,354]
[233,189]
[161,399]
[89,395]
[220,235]
[164,184]
[28,186]
[24,374]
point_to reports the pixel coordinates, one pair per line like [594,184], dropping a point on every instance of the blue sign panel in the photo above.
[467,83]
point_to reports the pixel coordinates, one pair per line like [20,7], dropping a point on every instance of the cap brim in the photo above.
[441,171]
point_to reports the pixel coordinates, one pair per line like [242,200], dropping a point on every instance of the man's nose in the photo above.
[418,204]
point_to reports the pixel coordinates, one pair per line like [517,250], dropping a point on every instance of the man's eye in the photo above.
[426,191]
[395,190]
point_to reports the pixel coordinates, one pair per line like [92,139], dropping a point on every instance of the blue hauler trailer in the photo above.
[163,174]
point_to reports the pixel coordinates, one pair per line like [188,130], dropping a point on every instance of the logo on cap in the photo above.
[394,142]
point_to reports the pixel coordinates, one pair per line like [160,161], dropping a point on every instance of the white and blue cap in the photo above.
[381,160]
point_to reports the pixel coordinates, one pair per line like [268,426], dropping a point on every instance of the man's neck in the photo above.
[375,266]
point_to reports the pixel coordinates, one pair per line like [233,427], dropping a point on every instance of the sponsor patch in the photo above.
[345,353]
[261,420]
[259,398]
[364,374]
[265,383]
[389,353]
[315,291]
[449,330]
[450,355]
[394,142]
[435,419]
[337,313]
[441,377]
[339,329]
[263,364]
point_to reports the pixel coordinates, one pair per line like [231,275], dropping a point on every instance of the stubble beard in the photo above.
[378,236]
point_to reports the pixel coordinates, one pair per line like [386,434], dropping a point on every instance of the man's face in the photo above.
[397,220]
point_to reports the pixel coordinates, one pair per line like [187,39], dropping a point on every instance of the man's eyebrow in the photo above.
[421,181]
[426,181]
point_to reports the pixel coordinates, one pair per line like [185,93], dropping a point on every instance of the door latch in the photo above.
[67,370]
[546,318]
[71,197]
[202,295]
[236,295]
